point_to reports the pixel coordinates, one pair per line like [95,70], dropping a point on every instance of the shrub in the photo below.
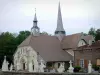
[77,68]
[95,67]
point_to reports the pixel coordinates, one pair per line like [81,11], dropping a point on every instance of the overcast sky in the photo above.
[78,15]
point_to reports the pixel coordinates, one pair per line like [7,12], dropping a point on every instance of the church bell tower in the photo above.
[60,32]
[35,30]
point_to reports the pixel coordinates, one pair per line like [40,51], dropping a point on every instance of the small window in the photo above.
[82,63]
[98,62]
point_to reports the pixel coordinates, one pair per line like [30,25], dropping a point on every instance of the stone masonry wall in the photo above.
[27,73]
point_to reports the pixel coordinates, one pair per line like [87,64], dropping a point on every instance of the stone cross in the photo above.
[70,68]
[70,63]
[89,67]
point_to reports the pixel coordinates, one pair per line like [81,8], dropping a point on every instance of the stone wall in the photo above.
[24,56]
[27,73]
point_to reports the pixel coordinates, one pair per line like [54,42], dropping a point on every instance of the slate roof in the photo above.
[71,41]
[59,20]
[50,48]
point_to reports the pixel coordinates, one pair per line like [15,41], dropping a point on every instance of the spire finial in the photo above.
[35,30]
[35,10]
[35,17]
[59,4]
[59,1]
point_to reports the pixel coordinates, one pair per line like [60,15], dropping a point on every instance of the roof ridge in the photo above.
[73,34]
[79,38]
[30,39]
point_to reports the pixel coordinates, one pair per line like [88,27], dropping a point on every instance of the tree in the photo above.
[7,46]
[85,34]
[92,32]
[22,36]
[45,33]
[9,43]
[97,35]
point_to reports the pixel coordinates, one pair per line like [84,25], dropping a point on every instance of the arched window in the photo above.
[33,64]
[33,67]
[23,64]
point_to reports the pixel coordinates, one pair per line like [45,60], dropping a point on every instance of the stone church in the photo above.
[50,50]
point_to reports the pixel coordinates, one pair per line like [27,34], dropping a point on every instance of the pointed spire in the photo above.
[35,17]
[59,22]
[35,30]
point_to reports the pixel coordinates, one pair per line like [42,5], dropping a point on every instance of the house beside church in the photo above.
[51,50]
[87,52]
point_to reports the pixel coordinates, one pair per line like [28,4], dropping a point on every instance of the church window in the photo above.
[81,63]
[23,66]
[33,67]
